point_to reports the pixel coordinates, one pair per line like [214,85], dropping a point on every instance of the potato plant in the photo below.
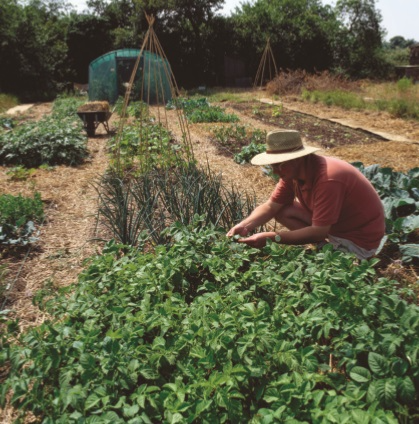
[207,330]
[57,139]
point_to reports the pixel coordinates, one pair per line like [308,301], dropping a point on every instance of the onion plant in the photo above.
[148,203]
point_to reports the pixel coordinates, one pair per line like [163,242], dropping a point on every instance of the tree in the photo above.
[33,47]
[184,28]
[299,31]
[359,43]
[88,37]
[399,42]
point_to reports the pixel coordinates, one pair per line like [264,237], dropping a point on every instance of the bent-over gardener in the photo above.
[318,199]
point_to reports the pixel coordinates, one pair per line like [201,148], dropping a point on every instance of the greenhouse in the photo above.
[110,74]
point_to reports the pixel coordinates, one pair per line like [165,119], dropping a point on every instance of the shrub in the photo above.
[294,82]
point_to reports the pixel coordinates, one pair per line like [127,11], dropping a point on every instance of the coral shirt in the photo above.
[337,194]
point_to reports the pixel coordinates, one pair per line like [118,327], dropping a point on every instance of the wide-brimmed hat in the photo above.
[283,145]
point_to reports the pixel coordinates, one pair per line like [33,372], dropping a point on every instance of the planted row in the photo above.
[207,330]
[138,209]
[199,110]
[57,139]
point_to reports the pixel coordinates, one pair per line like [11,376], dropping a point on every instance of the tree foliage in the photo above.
[359,46]
[33,47]
[300,32]
[45,45]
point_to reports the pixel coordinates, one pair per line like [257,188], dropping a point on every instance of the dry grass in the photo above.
[293,82]
[94,107]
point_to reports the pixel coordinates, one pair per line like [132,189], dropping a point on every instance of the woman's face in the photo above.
[288,170]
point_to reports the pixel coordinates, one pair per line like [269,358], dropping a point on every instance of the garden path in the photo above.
[70,205]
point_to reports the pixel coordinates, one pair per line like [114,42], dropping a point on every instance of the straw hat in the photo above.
[282,145]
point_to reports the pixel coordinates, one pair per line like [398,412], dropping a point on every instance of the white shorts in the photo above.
[345,245]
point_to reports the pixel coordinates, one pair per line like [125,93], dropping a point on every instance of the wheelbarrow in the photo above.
[91,120]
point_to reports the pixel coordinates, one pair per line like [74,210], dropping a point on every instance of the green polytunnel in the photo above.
[110,73]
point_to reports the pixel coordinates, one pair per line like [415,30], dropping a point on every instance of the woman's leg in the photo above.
[294,216]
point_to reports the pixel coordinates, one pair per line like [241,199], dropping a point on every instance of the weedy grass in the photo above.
[229,95]
[7,101]
[207,330]
[343,99]
[400,99]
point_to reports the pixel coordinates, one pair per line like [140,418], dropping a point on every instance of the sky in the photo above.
[400,17]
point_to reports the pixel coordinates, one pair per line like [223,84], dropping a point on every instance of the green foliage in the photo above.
[17,217]
[33,50]
[238,134]
[54,140]
[399,193]
[6,123]
[145,144]
[66,107]
[208,330]
[404,85]
[3,280]
[397,57]
[358,45]
[19,173]
[49,141]
[248,152]
[136,109]
[295,28]
[199,110]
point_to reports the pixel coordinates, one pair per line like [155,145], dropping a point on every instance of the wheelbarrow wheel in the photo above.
[90,128]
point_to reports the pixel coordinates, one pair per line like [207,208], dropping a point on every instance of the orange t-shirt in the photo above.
[337,194]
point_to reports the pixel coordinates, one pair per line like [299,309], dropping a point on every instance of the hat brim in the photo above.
[271,158]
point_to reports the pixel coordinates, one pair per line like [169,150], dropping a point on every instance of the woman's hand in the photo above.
[238,229]
[258,240]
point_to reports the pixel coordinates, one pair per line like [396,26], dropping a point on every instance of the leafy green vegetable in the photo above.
[207,330]
[399,193]
[17,214]
[199,110]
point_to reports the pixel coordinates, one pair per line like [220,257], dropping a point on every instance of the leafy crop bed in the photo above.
[206,330]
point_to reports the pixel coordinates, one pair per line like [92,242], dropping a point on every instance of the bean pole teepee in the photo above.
[154,77]
[267,67]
